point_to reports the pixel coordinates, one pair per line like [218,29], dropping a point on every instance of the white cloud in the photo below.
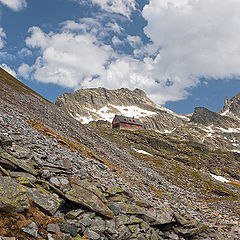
[15,5]
[2,37]
[116,41]
[67,58]
[24,71]
[197,38]
[24,52]
[190,39]
[135,41]
[78,59]
[8,69]
[124,7]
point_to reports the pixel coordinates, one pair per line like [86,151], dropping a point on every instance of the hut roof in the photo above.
[129,120]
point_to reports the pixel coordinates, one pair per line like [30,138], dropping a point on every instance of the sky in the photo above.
[182,53]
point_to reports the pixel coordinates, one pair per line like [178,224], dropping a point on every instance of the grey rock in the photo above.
[54,181]
[91,234]
[13,196]
[50,237]
[64,181]
[31,229]
[86,220]
[9,161]
[24,178]
[46,174]
[69,228]
[87,195]
[111,227]
[46,201]
[144,226]
[126,208]
[53,228]
[20,152]
[158,217]
[98,225]
[74,213]
[5,140]
[124,232]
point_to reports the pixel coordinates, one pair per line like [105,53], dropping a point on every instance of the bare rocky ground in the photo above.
[61,180]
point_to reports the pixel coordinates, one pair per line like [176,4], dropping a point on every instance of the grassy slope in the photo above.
[180,161]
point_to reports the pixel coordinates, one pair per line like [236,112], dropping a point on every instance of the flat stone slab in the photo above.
[8,161]
[86,194]
[24,178]
[13,196]
[45,200]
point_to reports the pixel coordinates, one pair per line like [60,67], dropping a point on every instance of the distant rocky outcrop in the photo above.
[101,104]
[232,108]
[206,117]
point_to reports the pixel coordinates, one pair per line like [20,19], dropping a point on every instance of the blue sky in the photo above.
[182,53]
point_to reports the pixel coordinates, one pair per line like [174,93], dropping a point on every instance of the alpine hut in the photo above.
[123,122]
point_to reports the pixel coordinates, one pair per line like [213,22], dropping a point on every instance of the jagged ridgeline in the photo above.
[60,179]
[94,104]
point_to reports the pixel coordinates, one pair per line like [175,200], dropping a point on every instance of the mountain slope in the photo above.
[105,184]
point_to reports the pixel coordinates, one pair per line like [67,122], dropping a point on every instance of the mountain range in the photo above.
[66,174]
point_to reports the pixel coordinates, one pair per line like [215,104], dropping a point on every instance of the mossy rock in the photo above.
[13,196]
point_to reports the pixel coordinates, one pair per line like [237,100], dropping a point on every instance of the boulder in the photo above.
[53,228]
[46,201]
[9,161]
[13,196]
[20,152]
[24,178]
[86,194]
[74,213]
[31,229]
[5,140]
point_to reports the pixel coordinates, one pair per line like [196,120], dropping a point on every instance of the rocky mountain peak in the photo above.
[232,107]
[206,117]
[95,104]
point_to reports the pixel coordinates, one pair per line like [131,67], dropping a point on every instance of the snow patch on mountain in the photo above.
[106,113]
[219,178]
[142,152]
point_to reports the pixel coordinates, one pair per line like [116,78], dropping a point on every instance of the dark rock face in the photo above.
[206,117]
[232,108]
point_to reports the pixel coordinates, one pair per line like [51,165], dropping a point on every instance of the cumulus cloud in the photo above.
[190,39]
[8,69]
[24,71]
[79,60]
[124,7]
[196,39]
[2,37]
[67,58]
[135,41]
[24,52]
[15,5]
